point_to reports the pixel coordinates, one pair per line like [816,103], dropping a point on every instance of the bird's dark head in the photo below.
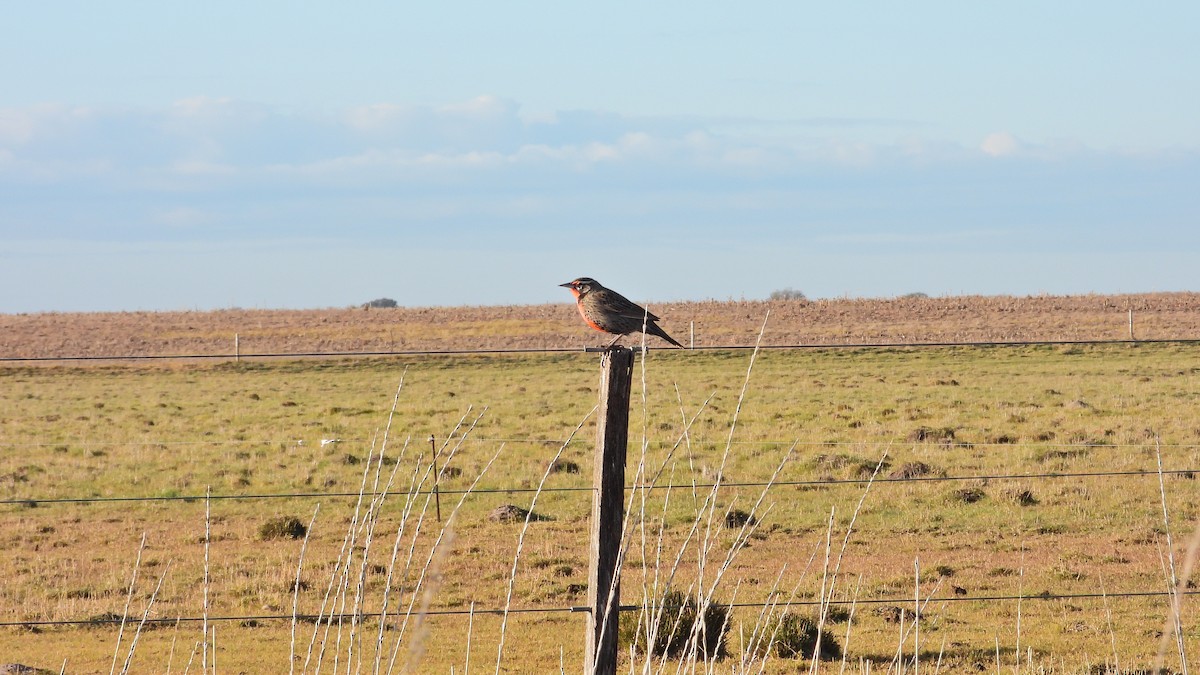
[581,286]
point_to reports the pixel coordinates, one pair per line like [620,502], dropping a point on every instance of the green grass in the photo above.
[256,428]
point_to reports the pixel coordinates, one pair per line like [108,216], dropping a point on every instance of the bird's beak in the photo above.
[566,285]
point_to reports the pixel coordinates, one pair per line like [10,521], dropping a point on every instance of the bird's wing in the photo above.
[626,307]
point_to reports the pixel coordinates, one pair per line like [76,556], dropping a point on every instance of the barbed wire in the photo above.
[903,602]
[576,350]
[38,501]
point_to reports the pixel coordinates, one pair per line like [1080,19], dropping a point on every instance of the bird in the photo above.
[610,312]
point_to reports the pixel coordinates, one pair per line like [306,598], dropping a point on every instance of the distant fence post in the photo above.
[608,512]
[1131,325]
[237,348]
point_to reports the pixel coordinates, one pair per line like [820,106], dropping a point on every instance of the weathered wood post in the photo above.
[608,512]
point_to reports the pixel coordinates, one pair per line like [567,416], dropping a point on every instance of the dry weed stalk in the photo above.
[445,533]
[1112,634]
[296,589]
[191,657]
[470,634]
[358,541]
[171,652]
[1174,583]
[512,577]
[704,533]
[654,605]
[410,500]
[207,540]
[145,615]
[137,564]
[850,623]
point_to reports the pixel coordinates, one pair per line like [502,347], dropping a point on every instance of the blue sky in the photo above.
[278,155]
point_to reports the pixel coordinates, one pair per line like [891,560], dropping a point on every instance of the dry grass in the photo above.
[173,430]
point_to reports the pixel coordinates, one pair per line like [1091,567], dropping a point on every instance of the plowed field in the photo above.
[709,323]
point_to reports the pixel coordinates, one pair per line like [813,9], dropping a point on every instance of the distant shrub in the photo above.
[381,303]
[914,296]
[788,294]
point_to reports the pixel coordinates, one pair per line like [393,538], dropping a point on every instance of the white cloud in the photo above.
[212,124]
[377,116]
[1000,144]
[183,217]
[39,122]
[202,168]
[480,108]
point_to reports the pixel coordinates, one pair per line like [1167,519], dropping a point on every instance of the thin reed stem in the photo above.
[296,589]
[207,541]
[529,515]
[128,599]
[145,614]
[1174,618]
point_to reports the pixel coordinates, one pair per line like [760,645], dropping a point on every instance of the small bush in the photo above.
[511,513]
[910,470]
[282,527]
[968,495]
[788,294]
[381,303]
[677,621]
[1022,496]
[931,435]
[738,518]
[564,466]
[798,637]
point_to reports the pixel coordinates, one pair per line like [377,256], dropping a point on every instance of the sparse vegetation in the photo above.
[81,431]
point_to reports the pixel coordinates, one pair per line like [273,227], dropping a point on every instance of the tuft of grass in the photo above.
[678,620]
[910,470]
[282,527]
[798,637]
[968,495]
[511,513]
[738,518]
[924,434]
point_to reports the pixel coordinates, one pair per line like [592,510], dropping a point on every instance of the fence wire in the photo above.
[900,601]
[577,350]
[38,501]
[903,602]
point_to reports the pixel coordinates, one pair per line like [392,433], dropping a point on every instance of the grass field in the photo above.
[256,428]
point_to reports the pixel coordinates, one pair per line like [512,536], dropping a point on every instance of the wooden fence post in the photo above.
[608,512]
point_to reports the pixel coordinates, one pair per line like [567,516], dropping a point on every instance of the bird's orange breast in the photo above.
[587,319]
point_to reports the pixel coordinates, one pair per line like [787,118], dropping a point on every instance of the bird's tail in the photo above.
[653,329]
